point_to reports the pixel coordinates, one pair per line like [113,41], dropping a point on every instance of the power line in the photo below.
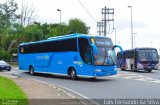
[87,11]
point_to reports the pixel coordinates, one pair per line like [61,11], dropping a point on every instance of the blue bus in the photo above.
[138,59]
[75,55]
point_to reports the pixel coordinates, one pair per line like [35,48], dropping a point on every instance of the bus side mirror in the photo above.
[95,50]
[118,47]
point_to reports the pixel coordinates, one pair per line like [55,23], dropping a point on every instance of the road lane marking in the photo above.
[134,76]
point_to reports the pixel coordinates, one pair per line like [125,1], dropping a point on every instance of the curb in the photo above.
[83,99]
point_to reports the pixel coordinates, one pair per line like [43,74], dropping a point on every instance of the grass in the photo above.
[10,93]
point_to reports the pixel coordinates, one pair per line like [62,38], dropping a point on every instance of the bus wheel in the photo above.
[9,69]
[93,79]
[123,69]
[31,70]
[132,69]
[73,74]
[149,70]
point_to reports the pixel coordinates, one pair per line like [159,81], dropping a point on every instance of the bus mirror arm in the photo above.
[95,50]
[118,47]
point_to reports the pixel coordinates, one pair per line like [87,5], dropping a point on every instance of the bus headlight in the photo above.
[98,70]
[156,67]
[140,66]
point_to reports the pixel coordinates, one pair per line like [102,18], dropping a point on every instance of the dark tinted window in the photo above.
[119,55]
[148,55]
[129,54]
[52,46]
[85,50]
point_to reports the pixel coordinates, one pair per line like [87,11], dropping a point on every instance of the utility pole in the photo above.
[115,35]
[134,39]
[131,27]
[60,14]
[106,12]
[100,28]
[107,16]
[151,43]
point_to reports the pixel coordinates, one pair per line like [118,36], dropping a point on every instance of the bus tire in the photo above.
[93,79]
[123,69]
[132,69]
[150,70]
[31,70]
[73,73]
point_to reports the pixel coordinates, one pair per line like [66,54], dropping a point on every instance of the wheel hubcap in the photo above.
[72,74]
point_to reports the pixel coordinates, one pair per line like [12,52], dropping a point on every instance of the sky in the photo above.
[146,17]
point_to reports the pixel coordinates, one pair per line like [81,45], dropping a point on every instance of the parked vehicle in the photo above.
[4,65]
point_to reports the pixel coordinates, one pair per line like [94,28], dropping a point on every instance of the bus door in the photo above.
[88,61]
[128,64]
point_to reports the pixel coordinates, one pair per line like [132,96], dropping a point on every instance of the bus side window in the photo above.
[85,50]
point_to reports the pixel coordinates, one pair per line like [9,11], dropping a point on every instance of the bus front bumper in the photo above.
[99,74]
[104,73]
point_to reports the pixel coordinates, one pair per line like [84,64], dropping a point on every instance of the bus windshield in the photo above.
[105,55]
[148,55]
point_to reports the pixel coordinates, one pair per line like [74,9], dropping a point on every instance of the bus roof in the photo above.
[75,35]
[140,48]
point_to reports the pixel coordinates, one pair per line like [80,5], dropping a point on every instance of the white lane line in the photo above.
[134,76]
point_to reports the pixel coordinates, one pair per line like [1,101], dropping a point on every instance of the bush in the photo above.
[5,55]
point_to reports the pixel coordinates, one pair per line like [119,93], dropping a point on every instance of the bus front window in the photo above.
[105,55]
[148,55]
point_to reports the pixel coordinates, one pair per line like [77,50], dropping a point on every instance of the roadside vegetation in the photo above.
[18,25]
[11,94]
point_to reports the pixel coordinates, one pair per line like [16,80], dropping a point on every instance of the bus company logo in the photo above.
[45,57]
[78,62]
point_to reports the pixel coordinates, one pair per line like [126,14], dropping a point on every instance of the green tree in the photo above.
[5,41]
[77,26]
[59,29]
[29,33]
[13,50]
[5,55]
[7,14]
[33,32]
[7,23]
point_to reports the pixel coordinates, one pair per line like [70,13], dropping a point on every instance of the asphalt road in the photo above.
[124,85]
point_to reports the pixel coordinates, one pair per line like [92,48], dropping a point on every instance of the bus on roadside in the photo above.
[75,55]
[138,59]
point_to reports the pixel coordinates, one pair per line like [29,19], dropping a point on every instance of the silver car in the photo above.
[4,65]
